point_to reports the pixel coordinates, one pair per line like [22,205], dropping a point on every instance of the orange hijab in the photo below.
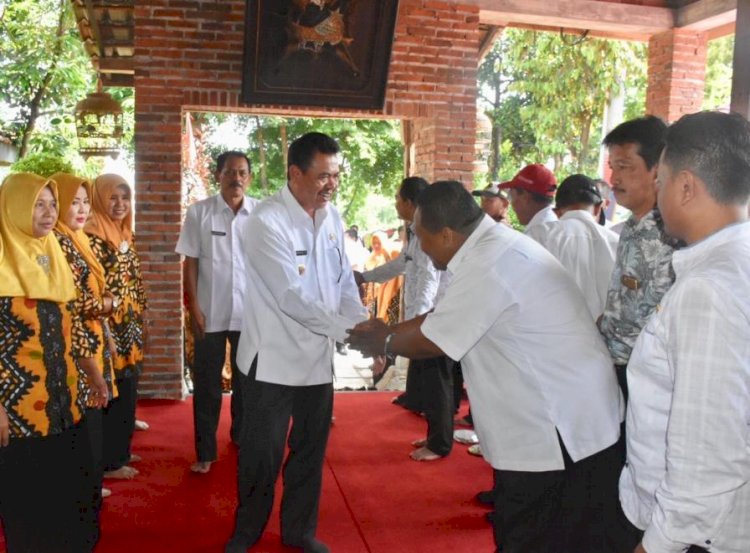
[67,188]
[100,223]
[30,267]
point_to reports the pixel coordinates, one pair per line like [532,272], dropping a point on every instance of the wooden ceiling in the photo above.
[107,26]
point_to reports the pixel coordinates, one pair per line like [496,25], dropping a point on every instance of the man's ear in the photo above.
[447,236]
[689,186]
[294,172]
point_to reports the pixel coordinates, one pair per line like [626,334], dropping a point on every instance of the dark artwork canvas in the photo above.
[332,53]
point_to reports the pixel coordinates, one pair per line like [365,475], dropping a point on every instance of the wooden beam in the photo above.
[488,41]
[741,63]
[705,15]
[117,65]
[624,20]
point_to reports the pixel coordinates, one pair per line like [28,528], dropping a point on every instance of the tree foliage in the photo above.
[43,71]
[372,154]
[546,93]
[718,91]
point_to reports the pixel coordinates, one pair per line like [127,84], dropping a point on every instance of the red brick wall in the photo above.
[676,73]
[189,56]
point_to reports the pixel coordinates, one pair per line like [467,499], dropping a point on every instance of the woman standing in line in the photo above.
[110,231]
[94,303]
[46,504]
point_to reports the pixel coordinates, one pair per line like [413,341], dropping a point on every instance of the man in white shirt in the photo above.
[583,246]
[544,396]
[300,299]
[215,285]
[429,382]
[532,192]
[686,484]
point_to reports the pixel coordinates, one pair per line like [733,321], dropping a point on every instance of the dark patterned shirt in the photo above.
[39,382]
[641,276]
[123,275]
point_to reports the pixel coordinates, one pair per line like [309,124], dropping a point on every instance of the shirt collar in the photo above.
[298,214]
[542,216]
[697,254]
[220,204]
[580,214]
[484,226]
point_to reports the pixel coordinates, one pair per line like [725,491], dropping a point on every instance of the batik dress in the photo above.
[122,268]
[93,338]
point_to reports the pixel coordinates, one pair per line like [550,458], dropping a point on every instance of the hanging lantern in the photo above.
[99,125]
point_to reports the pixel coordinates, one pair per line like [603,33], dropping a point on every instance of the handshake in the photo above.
[369,337]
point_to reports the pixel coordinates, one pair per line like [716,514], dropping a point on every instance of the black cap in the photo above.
[577,189]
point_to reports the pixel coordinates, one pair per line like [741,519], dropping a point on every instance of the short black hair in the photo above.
[222,158]
[648,132]
[714,146]
[448,204]
[411,188]
[577,189]
[303,150]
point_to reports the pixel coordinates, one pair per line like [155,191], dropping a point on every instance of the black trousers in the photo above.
[210,354]
[436,384]
[563,511]
[93,425]
[45,494]
[119,424]
[268,409]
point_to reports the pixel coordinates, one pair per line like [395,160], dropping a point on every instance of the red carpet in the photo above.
[375,499]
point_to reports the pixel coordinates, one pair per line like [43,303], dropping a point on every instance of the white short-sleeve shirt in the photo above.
[533,360]
[211,233]
[300,297]
[586,249]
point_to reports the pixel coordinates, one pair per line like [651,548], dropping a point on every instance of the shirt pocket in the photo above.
[334,263]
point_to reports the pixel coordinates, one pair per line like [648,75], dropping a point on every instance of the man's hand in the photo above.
[379,363]
[108,303]
[358,278]
[4,428]
[369,337]
[198,320]
[99,392]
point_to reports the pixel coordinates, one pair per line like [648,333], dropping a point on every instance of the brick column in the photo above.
[676,73]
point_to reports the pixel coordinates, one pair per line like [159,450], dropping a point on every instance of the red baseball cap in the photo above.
[534,178]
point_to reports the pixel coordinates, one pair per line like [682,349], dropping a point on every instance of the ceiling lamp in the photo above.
[99,125]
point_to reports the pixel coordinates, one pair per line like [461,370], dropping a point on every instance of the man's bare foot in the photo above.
[123,473]
[421,442]
[106,492]
[141,425]
[135,458]
[424,454]
[201,467]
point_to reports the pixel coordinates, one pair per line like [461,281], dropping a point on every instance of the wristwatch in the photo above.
[387,343]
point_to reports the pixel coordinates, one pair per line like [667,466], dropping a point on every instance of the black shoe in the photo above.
[310,546]
[486,497]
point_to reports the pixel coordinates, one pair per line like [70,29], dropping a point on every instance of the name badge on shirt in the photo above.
[630,282]
[218,233]
[301,252]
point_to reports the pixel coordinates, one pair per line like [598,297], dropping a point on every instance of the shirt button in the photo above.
[708,542]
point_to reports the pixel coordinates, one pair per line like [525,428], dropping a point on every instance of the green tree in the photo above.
[547,93]
[43,73]
[718,91]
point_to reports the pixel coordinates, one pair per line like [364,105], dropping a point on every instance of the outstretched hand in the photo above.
[369,337]
[358,278]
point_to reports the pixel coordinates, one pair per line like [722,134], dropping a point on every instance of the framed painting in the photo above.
[329,53]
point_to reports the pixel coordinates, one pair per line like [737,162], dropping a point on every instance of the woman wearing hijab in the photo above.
[110,231]
[93,303]
[46,505]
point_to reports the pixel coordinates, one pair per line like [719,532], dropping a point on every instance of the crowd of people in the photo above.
[607,368]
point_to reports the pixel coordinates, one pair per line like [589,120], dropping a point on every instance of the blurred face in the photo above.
[404,208]
[433,245]
[118,206]
[495,206]
[315,187]
[78,211]
[523,205]
[633,184]
[669,199]
[234,177]
[44,217]
[376,245]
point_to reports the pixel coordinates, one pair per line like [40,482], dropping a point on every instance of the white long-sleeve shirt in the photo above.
[586,249]
[421,279]
[687,477]
[300,296]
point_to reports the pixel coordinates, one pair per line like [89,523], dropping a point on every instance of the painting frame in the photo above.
[318,53]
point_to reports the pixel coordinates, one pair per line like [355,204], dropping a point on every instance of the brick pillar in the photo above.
[676,73]
[158,101]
